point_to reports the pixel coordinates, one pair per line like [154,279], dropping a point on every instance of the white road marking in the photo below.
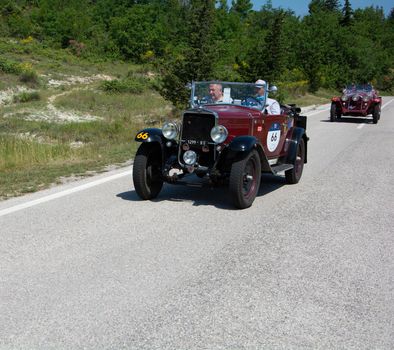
[317,112]
[387,103]
[362,125]
[63,193]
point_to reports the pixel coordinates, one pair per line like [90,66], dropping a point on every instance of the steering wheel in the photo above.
[250,102]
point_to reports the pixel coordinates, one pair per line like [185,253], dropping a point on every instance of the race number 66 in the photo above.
[143,135]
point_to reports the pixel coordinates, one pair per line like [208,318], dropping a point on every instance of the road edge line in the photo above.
[64,193]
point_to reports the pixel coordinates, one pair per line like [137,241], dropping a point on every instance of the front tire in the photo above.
[333,113]
[147,172]
[294,175]
[245,180]
[376,114]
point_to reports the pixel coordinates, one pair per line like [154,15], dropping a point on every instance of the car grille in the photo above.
[355,104]
[196,127]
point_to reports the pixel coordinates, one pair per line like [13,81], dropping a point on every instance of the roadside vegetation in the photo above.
[68,116]
[79,78]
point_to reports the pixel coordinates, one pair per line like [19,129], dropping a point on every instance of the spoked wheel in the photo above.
[147,172]
[333,113]
[245,179]
[376,114]
[294,175]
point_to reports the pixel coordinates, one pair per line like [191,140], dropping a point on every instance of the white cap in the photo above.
[260,82]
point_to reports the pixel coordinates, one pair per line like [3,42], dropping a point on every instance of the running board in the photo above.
[281,167]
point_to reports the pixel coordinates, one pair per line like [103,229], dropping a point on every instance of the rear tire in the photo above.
[245,180]
[294,175]
[147,172]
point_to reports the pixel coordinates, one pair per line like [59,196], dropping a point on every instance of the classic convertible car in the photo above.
[229,140]
[356,100]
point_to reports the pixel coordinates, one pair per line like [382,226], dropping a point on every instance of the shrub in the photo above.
[27,40]
[148,56]
[10,67]
[29,77]
[124,85]
[77,48]
[26,96]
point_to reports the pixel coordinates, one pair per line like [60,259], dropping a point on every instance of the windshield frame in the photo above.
[259,105]
[358,88]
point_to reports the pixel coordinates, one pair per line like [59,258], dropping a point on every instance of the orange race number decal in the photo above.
[143,135]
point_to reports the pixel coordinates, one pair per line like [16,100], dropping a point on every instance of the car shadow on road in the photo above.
[213,196]
[353,120]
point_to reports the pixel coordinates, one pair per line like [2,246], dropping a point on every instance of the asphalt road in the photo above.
[309,266]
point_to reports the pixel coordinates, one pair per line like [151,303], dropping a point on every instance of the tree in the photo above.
[323,5]
[242,7]
[391,15]
[274,61]
[266,59]
[137,31]
[347,14]
[331,5]
[197,60]
[316,6]
[222,5]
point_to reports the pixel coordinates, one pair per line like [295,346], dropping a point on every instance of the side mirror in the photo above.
[273,89]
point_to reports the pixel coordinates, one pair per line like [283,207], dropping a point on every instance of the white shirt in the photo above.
[272,106]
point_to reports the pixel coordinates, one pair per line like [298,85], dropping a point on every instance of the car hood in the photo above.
[237,119]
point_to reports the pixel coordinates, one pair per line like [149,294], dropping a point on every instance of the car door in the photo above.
[274,134]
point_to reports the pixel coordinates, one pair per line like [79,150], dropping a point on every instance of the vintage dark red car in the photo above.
[357,100]
[229,140]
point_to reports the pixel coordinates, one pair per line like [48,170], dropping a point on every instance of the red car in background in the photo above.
[230,142]
[358,100]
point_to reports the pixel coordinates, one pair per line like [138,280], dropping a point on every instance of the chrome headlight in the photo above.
[366,98]
[170,130]
[219,134]
[190,157]
[355,98]
[344,98]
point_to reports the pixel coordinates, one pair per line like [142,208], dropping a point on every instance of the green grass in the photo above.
[322,96]
[129,108]
[27,165]
[35,153]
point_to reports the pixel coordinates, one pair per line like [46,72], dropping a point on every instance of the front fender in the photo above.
[242,145]
[150,135]
[298,133]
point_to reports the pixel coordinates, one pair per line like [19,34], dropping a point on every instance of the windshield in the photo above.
[219,92]
[352,88]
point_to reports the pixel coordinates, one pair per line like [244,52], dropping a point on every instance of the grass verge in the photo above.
[68,125]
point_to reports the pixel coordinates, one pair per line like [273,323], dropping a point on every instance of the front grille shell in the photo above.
[196,132]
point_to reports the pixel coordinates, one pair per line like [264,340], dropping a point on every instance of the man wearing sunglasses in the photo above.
[271,106]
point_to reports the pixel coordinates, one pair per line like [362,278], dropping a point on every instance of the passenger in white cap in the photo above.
[271,106]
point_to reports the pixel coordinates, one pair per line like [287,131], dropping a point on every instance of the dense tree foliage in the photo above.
[207,39]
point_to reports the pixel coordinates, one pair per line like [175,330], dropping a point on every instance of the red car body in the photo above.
[231,142]
[356,100]
[241,121]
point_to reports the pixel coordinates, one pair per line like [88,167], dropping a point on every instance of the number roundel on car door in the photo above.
[273,137]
